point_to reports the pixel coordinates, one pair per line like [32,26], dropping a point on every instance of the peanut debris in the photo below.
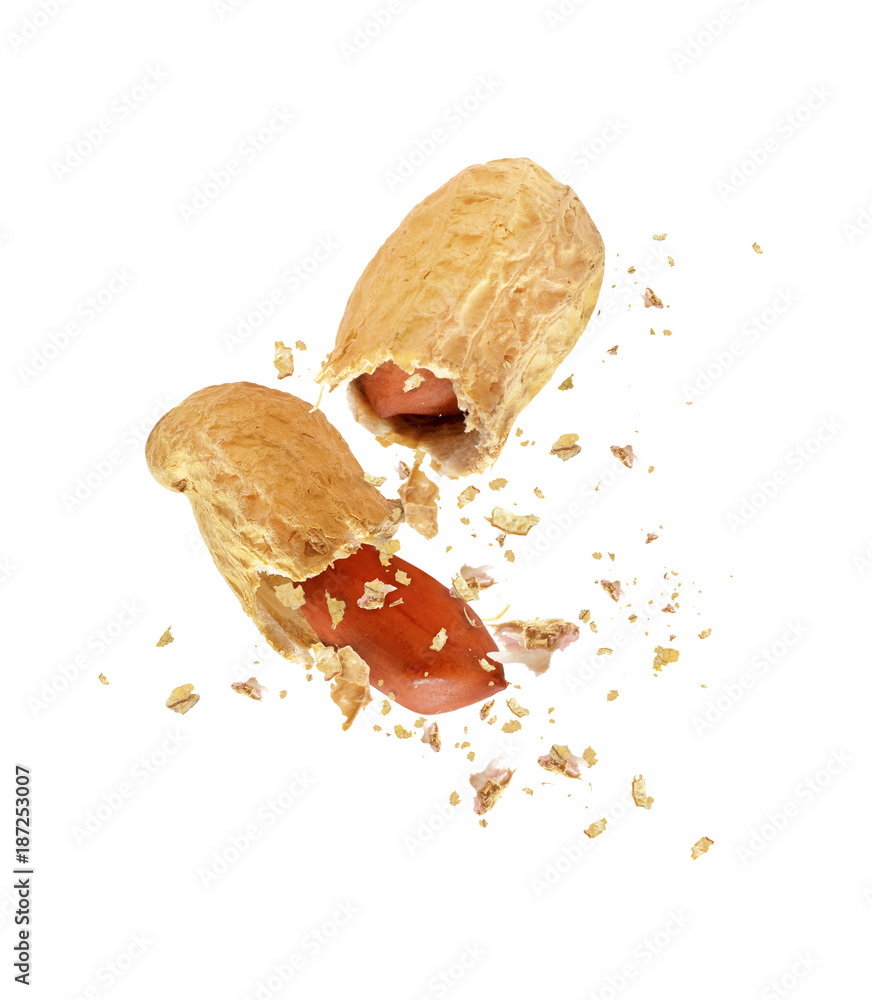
[595,829]
[467,496]
[182,699]
[489,785]
[566,447]
[512,524]
[166,638]
[663,656]
[700,847]
[250,688]
[439,639]
[291,595]
[624,455]
[640,793]
[419,496]
[374,593]
[284,360]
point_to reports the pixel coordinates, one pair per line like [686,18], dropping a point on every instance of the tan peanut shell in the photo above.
[489,282]
[276,493]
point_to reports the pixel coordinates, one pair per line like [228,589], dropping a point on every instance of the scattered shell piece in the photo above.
[485,709]
[595,829]
[489,785]
[336,609]
[529,791]
[705,633]
[402,734]
[374,594]
[498,484]
[250,688]
[604,651]
[182,699]
[612,588]
[467,496]
[454,798]
[613,350]
[661,237]
[403,578]
[375,480]
[651,538]
[652,299]
[284,694]
[485,665]
[300,345]
[512,726]
[640,793]
[386,707]
[701,847]
[611,695]
[102,678]
[350,690]
[290,595]
[166,638]
[517,709]
[512,524]
[663,656]
[584,616]
[566,383]
[756,248]
[589,756]
[284,360]
[419,496]
[561,760]
[439,639]
[412,382]
[534,642]
[566,447]
[478,578]
[624,455]
[431,738]
[462,589]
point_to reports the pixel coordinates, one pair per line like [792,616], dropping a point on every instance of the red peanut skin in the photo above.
[383,388]
[395,641]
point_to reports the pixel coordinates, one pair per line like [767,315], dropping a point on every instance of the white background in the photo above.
[654,113]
